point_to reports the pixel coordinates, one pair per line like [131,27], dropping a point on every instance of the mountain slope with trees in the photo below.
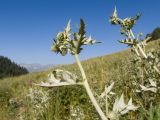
[9,68]
[155,34]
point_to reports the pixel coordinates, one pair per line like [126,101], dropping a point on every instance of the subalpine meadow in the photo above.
[120,86]
[100,71]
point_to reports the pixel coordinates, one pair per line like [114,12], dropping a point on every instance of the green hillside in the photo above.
[10,69]
[100,71]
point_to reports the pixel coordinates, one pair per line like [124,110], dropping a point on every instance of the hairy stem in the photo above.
[107,105]
[132,37]
[136,51]
[88,89]
[142,51]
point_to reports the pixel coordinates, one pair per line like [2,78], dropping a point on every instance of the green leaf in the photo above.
[82,31]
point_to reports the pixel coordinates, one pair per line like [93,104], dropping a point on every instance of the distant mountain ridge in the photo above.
[35,67]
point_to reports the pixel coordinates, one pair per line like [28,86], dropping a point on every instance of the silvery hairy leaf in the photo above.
[67,30]
[115,14]
[114,18]
[107,91]
[153,83]
[89,40]
[119,104]
[59,78]
[130,105]
[120,108]
[152,89]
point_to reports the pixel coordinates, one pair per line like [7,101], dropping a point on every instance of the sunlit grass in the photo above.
[100,71]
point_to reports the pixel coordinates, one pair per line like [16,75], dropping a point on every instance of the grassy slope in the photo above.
[99,71]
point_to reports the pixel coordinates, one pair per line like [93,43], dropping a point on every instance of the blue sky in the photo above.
[27,27]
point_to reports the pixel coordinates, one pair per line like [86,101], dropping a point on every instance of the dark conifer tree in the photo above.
[9,68]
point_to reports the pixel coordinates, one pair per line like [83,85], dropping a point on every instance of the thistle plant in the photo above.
[119,107]
[69,42]
[137,45]
[148,69]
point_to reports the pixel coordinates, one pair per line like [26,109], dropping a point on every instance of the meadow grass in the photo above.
[100,71]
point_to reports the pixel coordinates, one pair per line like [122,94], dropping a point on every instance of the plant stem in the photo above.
[136,51]
[142,51]
[88,89]
[107,105]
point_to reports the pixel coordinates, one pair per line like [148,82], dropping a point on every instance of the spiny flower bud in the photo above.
[114,17]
